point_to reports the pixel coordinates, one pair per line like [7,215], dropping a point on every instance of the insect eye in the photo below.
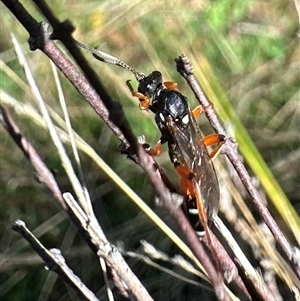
[185,119]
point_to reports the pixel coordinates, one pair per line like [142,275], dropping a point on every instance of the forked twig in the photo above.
[43,172]
[55,262]
[107,251]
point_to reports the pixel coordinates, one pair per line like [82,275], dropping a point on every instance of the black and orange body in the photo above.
[187,148]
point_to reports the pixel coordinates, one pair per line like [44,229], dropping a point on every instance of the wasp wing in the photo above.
[194,155]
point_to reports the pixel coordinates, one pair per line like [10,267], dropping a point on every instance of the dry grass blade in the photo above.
[88,204]
[65,160]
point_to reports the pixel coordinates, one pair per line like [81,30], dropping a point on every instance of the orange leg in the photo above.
[203,219]
[185,181]
[170,85]
[197,111]
[186,175]
[200,207]
[214,139]
[187,188]
[190,187]
[210,139]
[207,140]
[184,172]
[144,100]
[152,151]
[156,150]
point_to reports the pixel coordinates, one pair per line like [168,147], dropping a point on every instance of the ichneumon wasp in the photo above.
[187,147]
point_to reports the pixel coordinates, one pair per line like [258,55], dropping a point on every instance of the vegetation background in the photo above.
[246,56]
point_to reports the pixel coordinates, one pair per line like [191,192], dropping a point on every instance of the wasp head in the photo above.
[151,84]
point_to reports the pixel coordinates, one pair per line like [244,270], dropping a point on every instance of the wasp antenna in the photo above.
[107,58]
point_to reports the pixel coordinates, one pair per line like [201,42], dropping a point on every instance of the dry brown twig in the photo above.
[55,262]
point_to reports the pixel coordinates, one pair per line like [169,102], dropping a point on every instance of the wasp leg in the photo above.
[201,210]
[186,177]
[144,100]
[203,219]
[156,150]
[152,151]
[190,187]
[197,111]
[214,139]
[170,85]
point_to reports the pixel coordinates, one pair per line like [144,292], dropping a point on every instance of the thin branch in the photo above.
[109,110]
[116,119]
[44,174]
[55,262]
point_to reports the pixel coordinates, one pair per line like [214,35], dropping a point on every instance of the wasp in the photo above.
[187,147]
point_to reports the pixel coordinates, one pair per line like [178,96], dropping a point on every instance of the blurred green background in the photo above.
[246,56]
